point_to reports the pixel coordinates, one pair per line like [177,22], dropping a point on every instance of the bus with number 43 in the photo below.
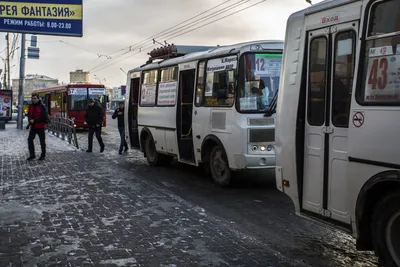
[206,105]
[338,120]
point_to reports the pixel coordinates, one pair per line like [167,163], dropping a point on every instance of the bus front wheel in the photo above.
[153,157]
[219,166]
[386,230]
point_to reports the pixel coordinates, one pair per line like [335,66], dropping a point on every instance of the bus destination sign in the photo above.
[47,17]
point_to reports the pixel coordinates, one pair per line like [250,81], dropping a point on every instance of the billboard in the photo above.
[47,17]
[5,104]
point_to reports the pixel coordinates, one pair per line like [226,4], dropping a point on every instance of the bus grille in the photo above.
[261,135]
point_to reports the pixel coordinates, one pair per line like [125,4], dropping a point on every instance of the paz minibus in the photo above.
[338,120]
[206,105]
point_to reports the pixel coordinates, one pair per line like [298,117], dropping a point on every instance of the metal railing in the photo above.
[63,128]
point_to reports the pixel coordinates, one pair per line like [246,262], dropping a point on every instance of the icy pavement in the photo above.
[79,209]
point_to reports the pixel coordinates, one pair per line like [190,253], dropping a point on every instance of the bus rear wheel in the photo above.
[386,230]
[219,167]
[153,157]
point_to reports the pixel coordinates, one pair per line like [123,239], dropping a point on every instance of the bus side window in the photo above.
[379,83]
[343,78]
[200,85]
[220,81]
[317,82]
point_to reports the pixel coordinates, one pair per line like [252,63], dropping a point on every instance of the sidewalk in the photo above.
[79,209]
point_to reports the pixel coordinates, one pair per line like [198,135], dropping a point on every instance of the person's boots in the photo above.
[42,156]
[31,157]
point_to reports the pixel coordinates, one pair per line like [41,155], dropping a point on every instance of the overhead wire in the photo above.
[180,34]
[146,41]
[240,10]
[168,31]
[154,36]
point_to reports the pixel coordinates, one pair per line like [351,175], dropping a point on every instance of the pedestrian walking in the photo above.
[37,118]
[119,113]
[94,118]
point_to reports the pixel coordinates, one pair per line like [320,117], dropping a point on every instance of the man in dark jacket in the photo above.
[119,113]
[94,118]
[37,117]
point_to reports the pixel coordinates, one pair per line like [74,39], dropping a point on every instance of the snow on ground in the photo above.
[15,142]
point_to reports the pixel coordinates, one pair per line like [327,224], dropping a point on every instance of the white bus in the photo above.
[209,107]
[338,120]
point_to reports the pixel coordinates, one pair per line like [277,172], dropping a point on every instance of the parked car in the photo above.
[15,115]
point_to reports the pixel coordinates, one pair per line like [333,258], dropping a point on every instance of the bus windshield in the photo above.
[78,97]
[259,76]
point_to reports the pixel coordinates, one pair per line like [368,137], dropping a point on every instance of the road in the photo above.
[252,206]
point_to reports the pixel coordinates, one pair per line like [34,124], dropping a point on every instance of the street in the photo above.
[252,206]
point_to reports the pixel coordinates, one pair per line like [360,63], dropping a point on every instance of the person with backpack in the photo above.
[37,117]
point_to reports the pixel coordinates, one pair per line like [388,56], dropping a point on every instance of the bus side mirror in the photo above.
[107,99]
[64,100]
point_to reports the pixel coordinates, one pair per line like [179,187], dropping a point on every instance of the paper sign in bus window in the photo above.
[345,47]
[148,94]
[167,93]
[381,51]
[383,79]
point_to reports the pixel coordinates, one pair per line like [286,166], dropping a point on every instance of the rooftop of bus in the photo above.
[71,85]
[321,6]
[213,52]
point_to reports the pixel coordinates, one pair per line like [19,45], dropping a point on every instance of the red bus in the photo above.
[70,101]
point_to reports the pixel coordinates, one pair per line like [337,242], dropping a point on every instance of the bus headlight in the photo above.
[263,148]
[270,147]
[254,148]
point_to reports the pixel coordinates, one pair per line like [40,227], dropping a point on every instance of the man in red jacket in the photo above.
[37,116]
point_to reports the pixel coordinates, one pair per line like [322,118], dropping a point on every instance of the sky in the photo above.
[110,27]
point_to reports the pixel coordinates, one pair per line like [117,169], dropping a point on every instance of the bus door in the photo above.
[133,112]
[184,114]
[331,57]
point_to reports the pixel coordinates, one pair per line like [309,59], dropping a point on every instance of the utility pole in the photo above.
[21,83]
[5,75]
[8,62]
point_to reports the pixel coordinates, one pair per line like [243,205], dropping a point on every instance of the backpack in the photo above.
[47,119]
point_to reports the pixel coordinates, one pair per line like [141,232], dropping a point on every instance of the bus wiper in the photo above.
[272,106]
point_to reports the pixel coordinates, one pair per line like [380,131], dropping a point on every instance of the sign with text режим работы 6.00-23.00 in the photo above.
[48,17]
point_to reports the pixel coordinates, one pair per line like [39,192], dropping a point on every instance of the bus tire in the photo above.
[385,228]
[153,157]
[219,167]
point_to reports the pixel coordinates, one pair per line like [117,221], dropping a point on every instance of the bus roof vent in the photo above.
[171,51]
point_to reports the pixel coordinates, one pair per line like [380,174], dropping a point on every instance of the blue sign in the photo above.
[33,52]
[123,90]
[48,17]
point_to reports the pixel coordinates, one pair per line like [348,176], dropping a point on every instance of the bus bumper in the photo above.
[246,161]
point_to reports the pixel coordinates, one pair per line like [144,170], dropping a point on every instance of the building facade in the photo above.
[79,76]
[32,82]
[117,95]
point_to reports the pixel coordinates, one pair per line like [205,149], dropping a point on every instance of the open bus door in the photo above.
[184,115]
[133,113]
[331,60]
